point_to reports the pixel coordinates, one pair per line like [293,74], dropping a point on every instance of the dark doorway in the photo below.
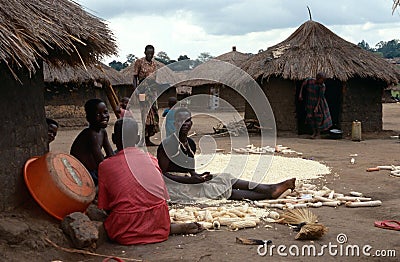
[333,96]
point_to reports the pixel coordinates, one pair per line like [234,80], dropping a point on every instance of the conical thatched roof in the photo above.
[234,57]
[78,74]
[314,48]
[54,31]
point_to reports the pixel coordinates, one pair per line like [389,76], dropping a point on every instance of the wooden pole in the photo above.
[112,98]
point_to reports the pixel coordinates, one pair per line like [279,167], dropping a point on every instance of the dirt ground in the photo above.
[357,224]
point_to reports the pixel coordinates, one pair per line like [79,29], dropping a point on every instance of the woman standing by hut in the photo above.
[317,109]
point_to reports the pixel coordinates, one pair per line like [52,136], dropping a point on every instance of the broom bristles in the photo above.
[300,215]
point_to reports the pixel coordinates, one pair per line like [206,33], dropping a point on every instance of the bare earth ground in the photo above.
[357,223]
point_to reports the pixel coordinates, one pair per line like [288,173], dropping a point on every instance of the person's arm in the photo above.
[164,114]
[95,148]
[163,162]
[301,90]
[106,145]
[187,179]
[135,81]
[136,69]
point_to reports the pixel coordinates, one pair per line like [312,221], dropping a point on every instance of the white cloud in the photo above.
[191,27]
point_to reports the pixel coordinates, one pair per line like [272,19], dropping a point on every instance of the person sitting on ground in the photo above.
[169,113]
[52,128]
[89,143]
[176,154]
[132,189]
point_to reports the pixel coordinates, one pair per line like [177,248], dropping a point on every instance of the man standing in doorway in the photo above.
[143,68]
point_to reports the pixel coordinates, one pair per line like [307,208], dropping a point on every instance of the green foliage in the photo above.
[204,57]
[364,45]
[183,57]
[388,49]
[117,65]
[131,58]
[162,57]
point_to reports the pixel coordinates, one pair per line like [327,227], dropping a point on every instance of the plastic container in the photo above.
[59,183]
[356,131]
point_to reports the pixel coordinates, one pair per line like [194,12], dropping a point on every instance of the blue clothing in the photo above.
[94,175]
[169,122]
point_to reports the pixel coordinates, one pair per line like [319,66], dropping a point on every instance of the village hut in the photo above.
[216,90]
[356,78]
[67,89]
[57,32]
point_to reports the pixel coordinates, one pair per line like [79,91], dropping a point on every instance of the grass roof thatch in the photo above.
[78,74]
[313,48]
[164,74]
[233,57]
[59,32]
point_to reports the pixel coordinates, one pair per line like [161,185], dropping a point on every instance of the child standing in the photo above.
[89,143]
[169,113]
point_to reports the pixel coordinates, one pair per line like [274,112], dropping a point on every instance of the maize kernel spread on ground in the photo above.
[278,168]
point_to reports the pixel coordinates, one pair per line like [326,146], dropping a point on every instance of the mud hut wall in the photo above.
[362,101]
[281,94]
[200,103]
[226,93]
[65,102]
[23,129]
[232,97]
[163,98]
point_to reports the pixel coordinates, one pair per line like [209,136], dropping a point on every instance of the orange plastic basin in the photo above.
[59,183]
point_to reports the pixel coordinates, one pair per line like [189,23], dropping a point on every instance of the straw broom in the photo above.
[306,222]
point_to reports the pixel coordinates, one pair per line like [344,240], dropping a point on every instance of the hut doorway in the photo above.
[334,98]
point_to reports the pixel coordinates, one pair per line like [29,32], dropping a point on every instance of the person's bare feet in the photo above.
[283,186]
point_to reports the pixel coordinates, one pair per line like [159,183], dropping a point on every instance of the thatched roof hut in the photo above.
[234,57]
[57,32]
[218,90]
[78,74]
[354,88]
[313,48]
[67,89]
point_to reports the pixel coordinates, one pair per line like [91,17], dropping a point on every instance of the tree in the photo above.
[204,57]
[117,65]
[183,57]
[162,57]
[364,45]
[131,58]
[389,49]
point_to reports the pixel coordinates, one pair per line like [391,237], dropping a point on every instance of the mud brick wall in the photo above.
[65,102]
[281,94]
[362,101]
[232,97]
[23,131]
[226,93]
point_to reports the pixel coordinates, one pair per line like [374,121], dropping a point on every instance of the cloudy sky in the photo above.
[189,27]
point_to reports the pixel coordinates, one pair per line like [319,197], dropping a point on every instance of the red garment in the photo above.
[131,186]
